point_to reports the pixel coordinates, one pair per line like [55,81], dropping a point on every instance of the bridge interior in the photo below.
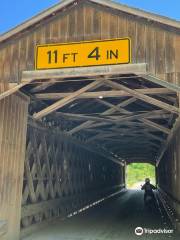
[127,115]
[84,128]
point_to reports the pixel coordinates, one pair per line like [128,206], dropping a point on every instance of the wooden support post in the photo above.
[13,124]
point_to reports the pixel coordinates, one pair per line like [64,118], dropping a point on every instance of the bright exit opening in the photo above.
[136,174]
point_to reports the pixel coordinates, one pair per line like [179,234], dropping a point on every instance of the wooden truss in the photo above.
[119,108]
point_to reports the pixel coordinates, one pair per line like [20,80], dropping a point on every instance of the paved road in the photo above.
[114,219]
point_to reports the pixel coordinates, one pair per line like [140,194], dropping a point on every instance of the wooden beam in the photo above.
[157,126]
[42,86]
[112,119]
[103,94]
[145,121]
[13,90]
[168,85]
[139,68]
[66,100]
[168,141]
[143,97]
[109,111]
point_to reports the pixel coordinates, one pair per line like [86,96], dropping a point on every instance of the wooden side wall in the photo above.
[13,124]
[157,45]
[61,177]
[169,173]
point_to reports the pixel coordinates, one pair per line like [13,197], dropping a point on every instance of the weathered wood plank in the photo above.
[137,69]
[13,124]
[103,94]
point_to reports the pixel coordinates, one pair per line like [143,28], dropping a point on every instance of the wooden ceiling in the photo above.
[121,110]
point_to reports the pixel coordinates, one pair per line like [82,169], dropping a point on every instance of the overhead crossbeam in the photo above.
[66,100]
[113,119]
[103,94]
[138,69]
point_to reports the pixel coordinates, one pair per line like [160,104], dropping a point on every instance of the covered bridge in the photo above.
[67,134]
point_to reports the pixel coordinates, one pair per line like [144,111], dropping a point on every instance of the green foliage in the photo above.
[137,172]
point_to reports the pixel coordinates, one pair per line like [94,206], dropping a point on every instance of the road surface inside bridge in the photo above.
[113,219]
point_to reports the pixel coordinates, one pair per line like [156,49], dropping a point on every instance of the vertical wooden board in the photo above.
[80,22]
[131,29]
[30,51]
[122,26]
[150,48]
[72,25]
[178,78]
[54,29]
[160,53]
[12,144]
[177,53]
[113,23]
[2,56]
[64,28]
[22,53]
[88,22]
[140,42]
[169,57]
[105,25]
[14,61]
[37,36]
[7,66]
[169,52]
[3,128]
[97,23]
[48,33]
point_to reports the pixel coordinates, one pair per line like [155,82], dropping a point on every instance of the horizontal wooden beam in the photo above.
[61,103]
[102,94]
[138,69]
[113,119]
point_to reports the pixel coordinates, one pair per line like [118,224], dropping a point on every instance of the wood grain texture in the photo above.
[13,124]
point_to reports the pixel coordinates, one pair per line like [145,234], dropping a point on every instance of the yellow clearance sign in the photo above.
[81,54]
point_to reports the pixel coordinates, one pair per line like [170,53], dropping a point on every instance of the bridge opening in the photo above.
[137,172]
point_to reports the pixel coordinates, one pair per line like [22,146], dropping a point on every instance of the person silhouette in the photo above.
[148,190]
